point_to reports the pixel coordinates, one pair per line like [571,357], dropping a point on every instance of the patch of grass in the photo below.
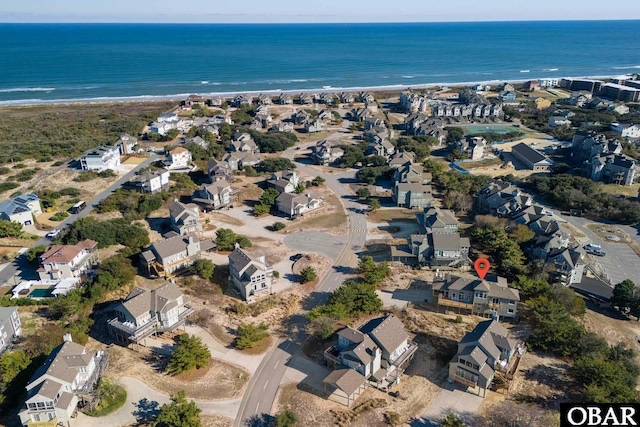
[345,418]
[259,347]
[112,397]
[326,221]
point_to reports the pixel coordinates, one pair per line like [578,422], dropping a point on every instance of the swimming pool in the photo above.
[41,293]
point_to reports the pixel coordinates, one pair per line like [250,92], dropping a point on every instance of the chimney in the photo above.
[67,337]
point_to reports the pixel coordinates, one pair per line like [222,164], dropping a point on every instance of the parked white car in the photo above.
[53,233]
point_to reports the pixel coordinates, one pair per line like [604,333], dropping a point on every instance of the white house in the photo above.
[53,391]
[251,275]
[215,195]
[151,181]
[126,144]
[178,159]
[68,261]
[21,209]
[184,219]
[101,158]
[472,146]
[626,130]
[10,326]
[556,121]
[284,181]
[295,205]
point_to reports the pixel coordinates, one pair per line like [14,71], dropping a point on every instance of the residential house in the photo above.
[167,256]
[301,117]
[439,248]
[192,101]
[214,196]
[544,244]
[556,121]
[184,218]
[436,219]
[412,173]
[216,101]
[612,169]
[295,205]
[506,87]
[532,158]
[264,99]
[10,326]
[375,354]
[366,97]
[145,312]
[21,209]
[507,96]
[284,181]
[541,103]
[178,159]
[239,160]
[495,195]
[197,140]
[588,144]
[412,195]
[580,99]
[381,147]
[126,144]
[472,146]
[250,274]
[305,98]
[165,123]
[241,99]
[360,114]
[68,261]
[101,158]
[313,126]
[347,97]
[243,143]
[567,264]
[151,181]
[485,355]
[68,374]
[619,108]
[283,127]
[549,82]
[371,105]
[219,171]
[626,130]
[489,297]
[531,86]
[325,153]
[285,99]
[327,98]
[401,158]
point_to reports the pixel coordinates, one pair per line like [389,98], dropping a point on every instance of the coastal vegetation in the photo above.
[65,131]
[189,353]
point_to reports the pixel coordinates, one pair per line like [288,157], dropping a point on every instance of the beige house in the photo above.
[178,159]
[145,312]
[68,261]
[69,374]
[485,356]
[491,297]
[295,205]
[251,275]
[170,255]
[375,354]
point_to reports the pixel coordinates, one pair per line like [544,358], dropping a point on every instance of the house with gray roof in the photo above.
[402,158]
[146,312]
[101,158]
[501,198]
[22,209]
[126,144]
[239,160]
[295,205]
[472,146]
[325,153]
[167,256]
[434,249]
[485,355]
[489,297]
[378,352]
[412,195]
[250,274]
[439,220]
[284,181]
[69,373]
[214,196]
[10,326]
[412,173]
[531,157]
[151,181]
[567,264]
[243,142]
[184,218]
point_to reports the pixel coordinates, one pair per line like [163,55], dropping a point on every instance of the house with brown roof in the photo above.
[184,218]
[145,312]
[68,261]
[485,356]
[295,205]
[489,297]
[70,373]
[250,274]
[377,353]
[174,253]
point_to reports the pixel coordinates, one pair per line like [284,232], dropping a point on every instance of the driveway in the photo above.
[401,297]
[451,399]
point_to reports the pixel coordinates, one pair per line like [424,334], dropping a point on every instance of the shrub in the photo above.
[114,272]
[190,352]
[107,173]
[112,396]
[70,191]
[286,418]
[322,327]
[260,209]
[276,164]
[10,229]
[276,274]
[318,181]
[249,334]
[203,268]
[349,300]
[277,226]
[59,216]
[180,412]
[458,319]
[8,185]
[226,240]
[308,275]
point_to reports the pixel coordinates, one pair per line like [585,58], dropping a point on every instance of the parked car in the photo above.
[53,233]
[594,249]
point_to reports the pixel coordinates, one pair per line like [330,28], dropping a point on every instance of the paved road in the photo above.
[313,241]
[263,387]
[10,270]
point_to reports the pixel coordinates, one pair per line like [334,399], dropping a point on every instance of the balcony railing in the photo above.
[131,329]
[456,304]
[406,355]
[102,361]
[465,381]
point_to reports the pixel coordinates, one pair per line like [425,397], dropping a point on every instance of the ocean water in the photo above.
[46,62]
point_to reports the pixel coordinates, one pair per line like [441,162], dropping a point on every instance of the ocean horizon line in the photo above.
[312,23]
[273,92]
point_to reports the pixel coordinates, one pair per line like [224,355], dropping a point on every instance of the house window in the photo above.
[83,369]
[462,360]
[511,302]
[40,405]
[510,311]
[495,300]
[32,406]
[481,295]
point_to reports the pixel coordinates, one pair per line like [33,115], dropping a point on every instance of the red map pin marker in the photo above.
[482,266]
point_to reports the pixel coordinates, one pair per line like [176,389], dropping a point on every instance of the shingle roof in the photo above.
[445,241]
[173,245]
[6,312]
[62,362]
[347,380]
[529,153]
[388,332]
[141,301]
[65,253]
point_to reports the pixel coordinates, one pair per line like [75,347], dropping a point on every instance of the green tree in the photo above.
[268,198]
[190,352]
[10,229]
[623,294]
[529,287]
[322,327]
[349,300]
[366,264]
[363,193]
[456,154]
[276,164]
[115,271]
[260,209]
[203,268]
[249,334]
[378,274]
[555,329]
[277,226]
[225,239]
[374,204]
[318,181]
[12,363]
[308,275]
[452,421]
[300,188]
[454,134]
[33,254]
[521,234]
[179,413]
[286,418]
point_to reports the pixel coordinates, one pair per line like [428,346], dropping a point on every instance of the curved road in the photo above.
[263,386]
